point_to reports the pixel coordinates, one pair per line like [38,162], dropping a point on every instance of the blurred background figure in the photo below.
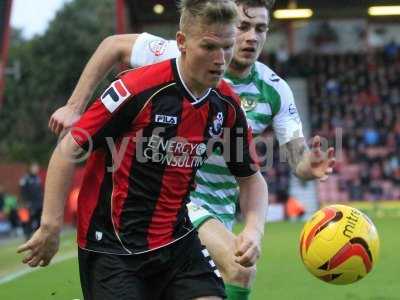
[293,208]
[10,210]
[2,214]
[32,195]
[9,221]
[1,198]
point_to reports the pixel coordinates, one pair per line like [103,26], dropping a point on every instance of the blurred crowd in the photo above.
[355,104]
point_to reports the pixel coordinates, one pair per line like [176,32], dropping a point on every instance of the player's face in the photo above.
[251,34]
[207,51]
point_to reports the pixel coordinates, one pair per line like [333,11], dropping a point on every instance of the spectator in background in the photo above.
[1,198]
[2,216]
[294,209]
[356,190]
[282,57]
[391,49]
[10,209]
[24,220]
[32,194]
[371,136]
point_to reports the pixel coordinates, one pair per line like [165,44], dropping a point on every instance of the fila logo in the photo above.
[115,95]
[166,119]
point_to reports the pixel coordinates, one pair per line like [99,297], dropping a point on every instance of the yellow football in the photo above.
[339,244]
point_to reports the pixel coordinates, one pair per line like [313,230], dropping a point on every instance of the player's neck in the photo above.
[239,71]
[196,89]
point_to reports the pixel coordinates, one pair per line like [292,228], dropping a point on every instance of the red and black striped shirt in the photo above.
[147,136]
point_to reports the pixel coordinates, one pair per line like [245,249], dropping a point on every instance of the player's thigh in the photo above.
[219,241]
[105,277]
[193,273]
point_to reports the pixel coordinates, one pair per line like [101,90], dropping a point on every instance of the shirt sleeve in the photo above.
[149,49]
[107,118]
[241,162]
[287,123]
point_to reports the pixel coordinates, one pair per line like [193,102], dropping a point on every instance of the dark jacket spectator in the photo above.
[32,194]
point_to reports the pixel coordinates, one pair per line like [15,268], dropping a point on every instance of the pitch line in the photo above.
[23,272]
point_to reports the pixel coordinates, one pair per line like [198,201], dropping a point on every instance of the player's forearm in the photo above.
[108,53]
[58,181]
[303,169]
[297,151]
[254,202]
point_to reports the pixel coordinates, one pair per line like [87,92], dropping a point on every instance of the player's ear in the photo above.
[181,41]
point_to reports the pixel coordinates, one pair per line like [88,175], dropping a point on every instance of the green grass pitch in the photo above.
[281,274]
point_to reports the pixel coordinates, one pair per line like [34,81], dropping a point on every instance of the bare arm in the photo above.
[43,245]
[309,164]
[253,203]
[112,50]
[295,150]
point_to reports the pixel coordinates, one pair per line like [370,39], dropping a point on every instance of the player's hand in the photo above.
[248,247]
[42,247]
[321,163]
[63,118]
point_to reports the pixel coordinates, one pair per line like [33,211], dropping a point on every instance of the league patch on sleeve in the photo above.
[292,109]
[115,95]
[158,47]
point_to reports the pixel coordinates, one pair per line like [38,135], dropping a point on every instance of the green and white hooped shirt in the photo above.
[267,100]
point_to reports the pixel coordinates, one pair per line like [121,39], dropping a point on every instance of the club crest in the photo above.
[248,103]
[216,128]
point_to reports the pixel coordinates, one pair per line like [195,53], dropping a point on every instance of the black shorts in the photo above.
[180,271]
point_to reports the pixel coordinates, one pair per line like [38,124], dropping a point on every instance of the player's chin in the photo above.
[246,61]
[214,81]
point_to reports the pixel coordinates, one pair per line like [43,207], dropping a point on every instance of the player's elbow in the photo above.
[112,46]
[108,41]
[120,46]
[68,150]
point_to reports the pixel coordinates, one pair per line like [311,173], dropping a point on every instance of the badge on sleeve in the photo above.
[158,47]
[115,95]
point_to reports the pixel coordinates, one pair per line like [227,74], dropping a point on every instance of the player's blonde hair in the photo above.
[206,12]
[268,4]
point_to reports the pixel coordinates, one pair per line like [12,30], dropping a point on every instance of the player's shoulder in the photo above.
[147,77]
[226,93]
[273,80]
[231,101]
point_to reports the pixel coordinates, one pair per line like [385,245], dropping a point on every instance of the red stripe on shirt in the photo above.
[89,193]
[175,188]
[162,71]
[121,89]
[94,119]
[122,174]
